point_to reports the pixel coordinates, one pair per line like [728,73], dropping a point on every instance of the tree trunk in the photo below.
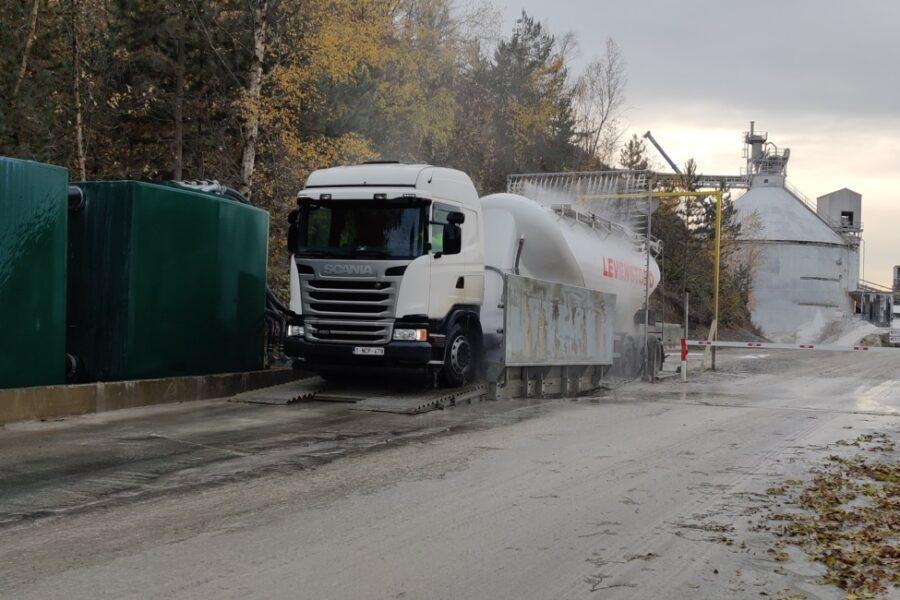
[254,92]
[178,142]
[29,42]
[76,85]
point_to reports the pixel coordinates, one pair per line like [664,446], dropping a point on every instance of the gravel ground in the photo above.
[650,491]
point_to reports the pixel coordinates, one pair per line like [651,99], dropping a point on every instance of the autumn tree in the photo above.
[257,93]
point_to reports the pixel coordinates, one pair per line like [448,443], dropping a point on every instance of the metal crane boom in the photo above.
[656,145]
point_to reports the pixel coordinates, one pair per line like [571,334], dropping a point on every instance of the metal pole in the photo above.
[687,299]
[716,257]
[647,368]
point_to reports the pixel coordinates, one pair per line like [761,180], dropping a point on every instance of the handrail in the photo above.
[837,227]
[593,220]
[876,287]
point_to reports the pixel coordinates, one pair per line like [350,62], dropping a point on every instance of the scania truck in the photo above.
[388,268]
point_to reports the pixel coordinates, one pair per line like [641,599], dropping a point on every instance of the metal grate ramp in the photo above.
[286,393]
[372,398]
[405,402]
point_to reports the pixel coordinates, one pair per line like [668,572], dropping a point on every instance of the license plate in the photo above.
[368,351]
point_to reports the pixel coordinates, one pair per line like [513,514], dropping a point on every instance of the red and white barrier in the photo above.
[774,346]
[685,343]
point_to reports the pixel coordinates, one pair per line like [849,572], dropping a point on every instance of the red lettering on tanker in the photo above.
[617,269]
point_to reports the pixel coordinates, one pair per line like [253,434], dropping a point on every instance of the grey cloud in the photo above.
[830,56]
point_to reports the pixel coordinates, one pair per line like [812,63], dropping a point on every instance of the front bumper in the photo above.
[412,354]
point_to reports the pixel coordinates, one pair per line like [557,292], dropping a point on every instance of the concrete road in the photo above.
[651,491]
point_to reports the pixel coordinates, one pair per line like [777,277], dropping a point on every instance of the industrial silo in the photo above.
[804,266]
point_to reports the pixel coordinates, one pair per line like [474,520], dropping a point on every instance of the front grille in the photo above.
[349,311]
[348,285]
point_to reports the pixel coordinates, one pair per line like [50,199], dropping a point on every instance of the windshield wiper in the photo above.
[313,254]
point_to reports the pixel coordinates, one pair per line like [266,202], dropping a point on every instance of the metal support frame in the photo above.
[567,381]
[717,244]
[636,185]
[648,368]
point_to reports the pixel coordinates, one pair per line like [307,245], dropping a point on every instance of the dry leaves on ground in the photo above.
[848,519]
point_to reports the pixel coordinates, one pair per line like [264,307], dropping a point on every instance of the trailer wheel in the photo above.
[459,358]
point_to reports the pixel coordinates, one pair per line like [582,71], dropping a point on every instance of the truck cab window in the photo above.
[359,229]
[438,220]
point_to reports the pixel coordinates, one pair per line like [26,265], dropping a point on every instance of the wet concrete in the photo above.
[70,466]
[644,492]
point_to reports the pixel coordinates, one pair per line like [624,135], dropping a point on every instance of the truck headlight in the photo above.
[411,335]
[295,330]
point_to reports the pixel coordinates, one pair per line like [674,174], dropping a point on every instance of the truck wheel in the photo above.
[459,359]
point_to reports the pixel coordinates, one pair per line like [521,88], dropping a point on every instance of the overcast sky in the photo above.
[821,76]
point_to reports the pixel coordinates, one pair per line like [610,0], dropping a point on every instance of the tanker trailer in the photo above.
[601,267]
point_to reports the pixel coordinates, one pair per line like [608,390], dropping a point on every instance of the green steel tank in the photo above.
[164,282]
[32,273]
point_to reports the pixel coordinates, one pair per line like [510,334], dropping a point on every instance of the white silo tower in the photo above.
[897,282]
[805,266]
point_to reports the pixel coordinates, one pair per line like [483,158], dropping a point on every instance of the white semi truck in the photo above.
[398,266]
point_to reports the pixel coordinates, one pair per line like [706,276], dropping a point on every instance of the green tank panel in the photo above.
[165,282]
[32,273]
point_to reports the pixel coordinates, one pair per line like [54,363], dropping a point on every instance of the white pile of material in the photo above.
[815,330]
[847,332]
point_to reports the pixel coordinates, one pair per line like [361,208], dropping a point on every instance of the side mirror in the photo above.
[452,238]
[292,230]
[456,218]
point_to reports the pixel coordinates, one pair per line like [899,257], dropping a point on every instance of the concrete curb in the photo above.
[50,402]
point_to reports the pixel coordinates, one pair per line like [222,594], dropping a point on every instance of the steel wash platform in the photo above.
[406,400]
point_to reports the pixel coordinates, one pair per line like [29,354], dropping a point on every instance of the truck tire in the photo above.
[459,358]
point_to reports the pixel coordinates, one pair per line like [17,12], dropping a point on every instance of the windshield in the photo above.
[362,229]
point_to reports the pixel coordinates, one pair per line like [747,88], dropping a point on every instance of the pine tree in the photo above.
[633,155]
[534,124]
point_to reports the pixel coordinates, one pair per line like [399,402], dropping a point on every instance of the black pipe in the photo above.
[76,198]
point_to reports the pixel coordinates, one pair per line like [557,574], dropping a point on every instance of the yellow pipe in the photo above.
[716,259]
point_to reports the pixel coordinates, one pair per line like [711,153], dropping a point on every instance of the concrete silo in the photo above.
[806,265]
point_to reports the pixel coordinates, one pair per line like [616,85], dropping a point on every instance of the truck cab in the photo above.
[387,271]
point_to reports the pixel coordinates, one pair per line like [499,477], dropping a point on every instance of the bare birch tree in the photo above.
[178,116]
[599,102]
[29,42]
[251,106]
[76,90]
